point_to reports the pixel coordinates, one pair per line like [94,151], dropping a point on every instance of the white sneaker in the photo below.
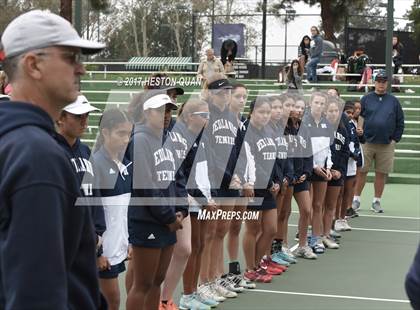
[223,291]
[228,283]
[329,243]
[346,226]
[239,280]
[305,252]
[207,292]
[409,91]
[339,225]
[286,250]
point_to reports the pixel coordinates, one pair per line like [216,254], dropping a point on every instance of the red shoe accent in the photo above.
[275,265]
[270,269]
[263,276]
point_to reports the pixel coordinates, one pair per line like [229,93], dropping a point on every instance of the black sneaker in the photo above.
[350,213]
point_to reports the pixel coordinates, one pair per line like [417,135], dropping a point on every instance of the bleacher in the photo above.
[116,89]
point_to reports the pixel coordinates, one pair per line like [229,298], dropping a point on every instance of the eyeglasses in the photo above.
[205,115]
[72,58]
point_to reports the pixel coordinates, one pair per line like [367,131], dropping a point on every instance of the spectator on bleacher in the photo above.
[47,243]
[315,52]
[295,76]
[397,54]
[303,51]
[383,126]
[209,66]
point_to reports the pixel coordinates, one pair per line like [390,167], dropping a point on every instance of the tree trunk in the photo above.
[66,8]
[136,39]
[229,4]
[178,33]
[144,33]
[327,20]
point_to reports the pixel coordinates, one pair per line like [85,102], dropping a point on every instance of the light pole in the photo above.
[285,33]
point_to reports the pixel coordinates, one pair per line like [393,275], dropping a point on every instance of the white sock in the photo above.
[376,199]
[356,198]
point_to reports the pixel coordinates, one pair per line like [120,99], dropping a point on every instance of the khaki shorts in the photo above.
[383,154]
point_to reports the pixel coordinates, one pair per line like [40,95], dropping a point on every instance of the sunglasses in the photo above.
[72,58]
[205,115]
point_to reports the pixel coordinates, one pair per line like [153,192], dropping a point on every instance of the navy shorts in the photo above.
[339,182]
[113,272]
[268,202]
[301,187]
[350,177]
[150,235]
[317,178]
[226,193]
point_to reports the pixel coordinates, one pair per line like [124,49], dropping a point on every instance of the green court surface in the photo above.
[367,272]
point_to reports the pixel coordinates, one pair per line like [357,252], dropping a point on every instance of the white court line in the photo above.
[331,296]
[380,230]
[383,216]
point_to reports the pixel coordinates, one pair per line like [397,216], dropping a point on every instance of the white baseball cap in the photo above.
[80,106]
[158,101]
[39,29]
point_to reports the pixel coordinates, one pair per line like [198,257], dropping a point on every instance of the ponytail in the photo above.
[109,120]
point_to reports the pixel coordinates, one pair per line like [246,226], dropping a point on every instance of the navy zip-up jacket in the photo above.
[47,244]
[79,156]
[221,133]
[383,118]
[300,150]
[284,162]
[412,282]
[153,179]
[340,151]
[261,152]
[180,140]
[322,135]
[112,185]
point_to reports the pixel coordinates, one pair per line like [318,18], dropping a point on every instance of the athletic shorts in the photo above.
[150,235]
[301,187]
[350,177]
[382,154]
[339,182]
[268,202]
[226,193]
[316,178]
[113,272]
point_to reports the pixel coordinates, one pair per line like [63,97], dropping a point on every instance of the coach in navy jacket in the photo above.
[47,245]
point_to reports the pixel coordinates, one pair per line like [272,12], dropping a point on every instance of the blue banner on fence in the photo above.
[223,32]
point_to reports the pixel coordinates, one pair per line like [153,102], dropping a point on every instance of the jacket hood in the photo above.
[15,114]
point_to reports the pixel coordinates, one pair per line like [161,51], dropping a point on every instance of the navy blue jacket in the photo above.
[355,139]
[412,282]
[47,244]
[262,153]
[340,151]
[383,118]
[153,178]
[283,162]
[222,149]
[300,150]
[79,156]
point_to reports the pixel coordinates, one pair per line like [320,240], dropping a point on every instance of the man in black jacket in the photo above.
[47,246]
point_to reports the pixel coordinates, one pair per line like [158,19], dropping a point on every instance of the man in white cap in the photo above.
[47,244]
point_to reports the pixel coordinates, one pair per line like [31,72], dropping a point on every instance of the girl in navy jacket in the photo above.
[222,154]
[152,217]
[236,105]
[300,152]
[339,155]
[262,185]
[113,176]
[321,139]
[280,111]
